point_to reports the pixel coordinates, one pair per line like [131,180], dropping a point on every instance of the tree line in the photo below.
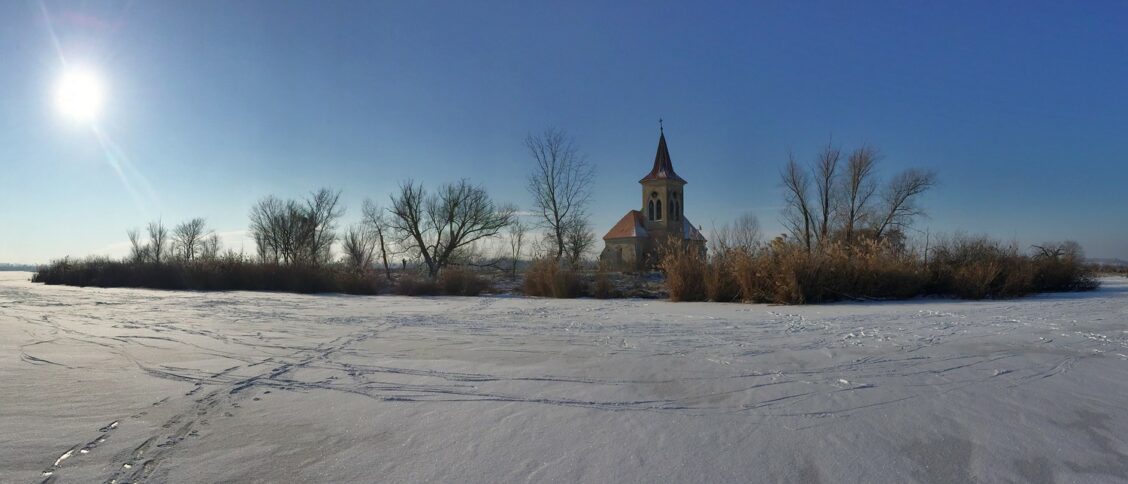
[846,238]
[438,227]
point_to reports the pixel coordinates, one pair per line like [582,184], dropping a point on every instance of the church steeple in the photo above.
[635,242]
[663,166]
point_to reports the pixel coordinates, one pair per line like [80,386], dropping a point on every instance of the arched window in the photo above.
[651,210]
[674,207]
[658,208]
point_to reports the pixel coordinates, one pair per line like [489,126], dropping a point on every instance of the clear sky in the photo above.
[1020,107]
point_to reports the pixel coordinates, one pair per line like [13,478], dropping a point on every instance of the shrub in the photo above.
[410,284]
[460,281]
[685,272]
[603,288]
[720,278]
[546,278]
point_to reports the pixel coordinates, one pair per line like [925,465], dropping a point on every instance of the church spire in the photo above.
[663,166]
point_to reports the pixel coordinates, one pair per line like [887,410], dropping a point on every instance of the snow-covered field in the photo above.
[118,384]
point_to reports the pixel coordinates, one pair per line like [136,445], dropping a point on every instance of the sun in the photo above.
[79,95]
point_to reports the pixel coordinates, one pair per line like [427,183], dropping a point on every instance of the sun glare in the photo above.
[79,95]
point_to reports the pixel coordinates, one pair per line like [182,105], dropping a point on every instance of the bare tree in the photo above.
[899,200]
[517,232]
[209,247]
[374,216]
[296,232]
[359,245]
[578,239]
[560,182]
[269,229]
[440,225]
[1069,249]
[743,234]
[158,240]
[798,213]
[825,169]
[746,232]
[858,190]
[187,238]
[319,225]
[138,252]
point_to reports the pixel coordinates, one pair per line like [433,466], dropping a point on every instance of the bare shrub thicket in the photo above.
[977,267]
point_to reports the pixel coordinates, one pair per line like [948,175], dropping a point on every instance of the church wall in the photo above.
[622,254]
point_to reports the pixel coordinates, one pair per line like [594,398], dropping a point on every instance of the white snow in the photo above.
[100,385]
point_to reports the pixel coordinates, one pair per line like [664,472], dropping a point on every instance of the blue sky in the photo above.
[1020,107]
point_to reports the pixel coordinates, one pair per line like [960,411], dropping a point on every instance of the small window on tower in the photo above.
[658,208]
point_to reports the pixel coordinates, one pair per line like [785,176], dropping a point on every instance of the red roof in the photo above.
[630,226]
[663,167]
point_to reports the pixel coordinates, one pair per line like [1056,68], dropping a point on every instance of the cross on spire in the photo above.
[660,131]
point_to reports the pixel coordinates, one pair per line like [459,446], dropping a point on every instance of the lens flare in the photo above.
[79,95]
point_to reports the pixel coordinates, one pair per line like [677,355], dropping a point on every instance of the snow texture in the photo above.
[122,385]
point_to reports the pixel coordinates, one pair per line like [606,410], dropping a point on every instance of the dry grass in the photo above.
[546,278]
[228,273]
[685,272]
[412,284]
[460,281]
[785,273]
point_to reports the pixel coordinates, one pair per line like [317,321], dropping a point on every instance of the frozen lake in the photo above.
[119,384]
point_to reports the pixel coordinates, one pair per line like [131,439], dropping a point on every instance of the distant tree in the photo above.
[296,231]
[517,232]
[359,245]
[439,225]
[209,247]
[743,233]
[158,241]
[1057,250]
[798,212]
[270,229]
[578,239]
[846,206]
[138,252]
[560,184]
[859,187]
[188,237]
[319,228]
[826,177]
[374,216]
[899,200]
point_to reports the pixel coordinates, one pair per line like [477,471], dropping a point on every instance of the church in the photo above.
[633,243]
